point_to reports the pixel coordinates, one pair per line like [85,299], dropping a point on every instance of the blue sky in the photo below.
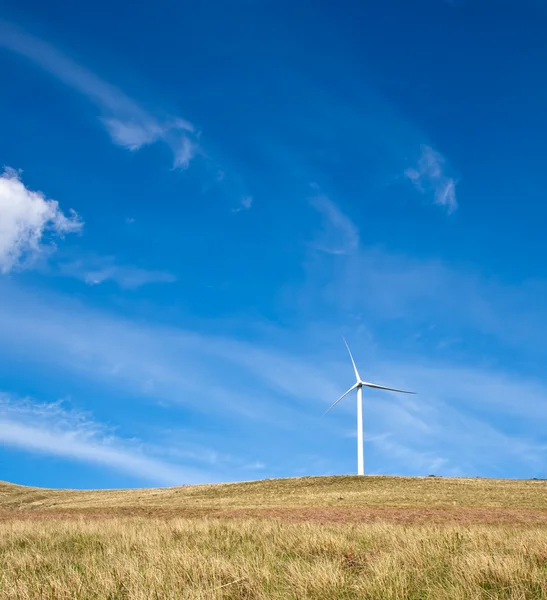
[199,199]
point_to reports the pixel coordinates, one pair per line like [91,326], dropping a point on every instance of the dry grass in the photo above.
[177,558]
[60,545]
[305,492]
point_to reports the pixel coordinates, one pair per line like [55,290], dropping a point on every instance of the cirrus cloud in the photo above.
[95,270]
[339,235]
[44,428]
[429,177]
[128,124]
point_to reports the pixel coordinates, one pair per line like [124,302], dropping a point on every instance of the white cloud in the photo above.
[339,235]
[95,270]
[133,135]
[51,429]
[128,124]
[27,221]
[429,177]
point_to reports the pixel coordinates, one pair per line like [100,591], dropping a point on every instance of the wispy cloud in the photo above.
[95,270]
[28,223]
[429,177]
[245,204]
[363,135]
[453,424]
[431,299]
[457,441]
[416,460]
[128,124]
[339,235]
[52,429]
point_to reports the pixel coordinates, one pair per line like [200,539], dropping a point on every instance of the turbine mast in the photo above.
[360,451]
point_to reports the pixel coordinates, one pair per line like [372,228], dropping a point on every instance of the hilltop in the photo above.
[337,498]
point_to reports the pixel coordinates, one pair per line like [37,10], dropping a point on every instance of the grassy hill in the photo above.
[322,537]
[343,492]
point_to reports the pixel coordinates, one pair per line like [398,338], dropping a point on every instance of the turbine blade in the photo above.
[383,387]
[342,396]
[352,361]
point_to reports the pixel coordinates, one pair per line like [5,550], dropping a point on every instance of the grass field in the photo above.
[332,537]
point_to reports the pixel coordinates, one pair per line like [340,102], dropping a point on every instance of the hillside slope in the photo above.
[312,538]
[331,498]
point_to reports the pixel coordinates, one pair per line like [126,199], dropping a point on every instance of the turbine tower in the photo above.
[359,387]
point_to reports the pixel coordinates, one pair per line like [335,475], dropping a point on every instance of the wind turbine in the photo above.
[359,387]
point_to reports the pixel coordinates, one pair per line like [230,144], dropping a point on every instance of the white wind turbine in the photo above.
[359,387]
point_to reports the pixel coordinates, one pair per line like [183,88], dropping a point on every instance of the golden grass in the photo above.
[63,544]
[369,492]
[142,558]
